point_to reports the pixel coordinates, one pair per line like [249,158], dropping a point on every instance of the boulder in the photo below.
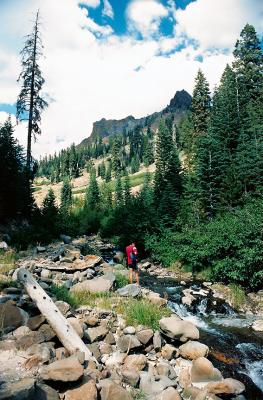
[34,322]
[130,376]
[145,335]
[169,351]
[21,331]
[76,325]
[135,362]
[97,333]
[45,273]
[127,342]
[111,391]
[88,391]
[45,392]
[226,386]
[169,394]
[157,340]
[47,331]
[42,350]
[24,389]
[156,299]
[41,249]
[12,317]
[66,370]
[192,393]
[193,350]
[66,239]
[203,371]
[96,285]
[34,337]
[176,328]
[131,290]
[152,386]
[115,360]
[118,257]
[91,320]
[258,325]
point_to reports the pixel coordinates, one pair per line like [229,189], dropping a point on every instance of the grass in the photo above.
[238,295]
[63,294]
[143,312]
[7,261]
[120,280]
[43,182]
[36,189]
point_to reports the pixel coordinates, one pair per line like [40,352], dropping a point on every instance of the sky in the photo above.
[114,58]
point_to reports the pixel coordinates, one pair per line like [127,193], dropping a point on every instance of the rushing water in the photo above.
[234,348]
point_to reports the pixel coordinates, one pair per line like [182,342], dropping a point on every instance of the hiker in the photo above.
[132,258]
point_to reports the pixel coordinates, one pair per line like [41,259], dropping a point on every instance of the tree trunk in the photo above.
[66,334]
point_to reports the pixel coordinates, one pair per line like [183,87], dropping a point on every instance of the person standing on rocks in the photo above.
[132,259]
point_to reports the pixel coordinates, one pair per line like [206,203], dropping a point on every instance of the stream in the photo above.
[235,349]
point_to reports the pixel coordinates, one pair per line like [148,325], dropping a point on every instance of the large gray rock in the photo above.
[88,391]
[131,290]
[66,370]
[258,325]
[45,392]
[24,389]
[66,239]
[176,328]
[145,335]
[203,371]
[111,391]
[12,317]
[127,342]
[135,362]
[76,325]
[152,386]
[96,285]
[193,350]
[97,333]
[3,246]
[169,394]
[226,386]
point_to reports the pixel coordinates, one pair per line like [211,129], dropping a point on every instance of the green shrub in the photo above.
[143,312]
[230,246]
[62,293]
[120,280]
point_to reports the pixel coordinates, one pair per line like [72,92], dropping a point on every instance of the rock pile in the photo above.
[131,362]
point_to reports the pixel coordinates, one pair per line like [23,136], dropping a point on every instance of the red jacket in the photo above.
[130,249]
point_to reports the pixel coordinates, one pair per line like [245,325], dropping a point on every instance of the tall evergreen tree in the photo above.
[116,156]
[126,190]
[92,199]
[201,104]
[30,104]
[118,191]
[66,195]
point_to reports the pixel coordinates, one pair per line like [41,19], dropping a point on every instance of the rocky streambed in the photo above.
[183,358]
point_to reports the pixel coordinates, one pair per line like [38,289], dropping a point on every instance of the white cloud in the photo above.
[145,16]
[217,23]
[90,3]
[107,9]
[91,78]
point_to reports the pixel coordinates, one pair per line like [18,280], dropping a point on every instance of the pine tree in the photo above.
[108,173]
[118,191]
[66,195]
[15,193]
[30,104]
[201,103]
[92,199]
[50,211]
[148,157]
[116,156]
[167,184]
[126,190]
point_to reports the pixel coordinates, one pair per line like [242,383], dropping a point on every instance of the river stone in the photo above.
[95,285]
[111,391]
[34,322]
[47,331]
[203,371]
[76,325]
[226,386]
[24,389]
[12,317]
[192,393]
[97,333]
[34,337]
[45,273]
[175,328]
[145,335]
[42,351]
[169,394]
[131,290]
[156,299]
[67,370]
[258,325]
[88,391]
[21,331]
[157,340]
[130,376]
[151,385]
[136,362]
[129,330]
[127,342]
[169,351]
[193,350]
[66,239]
[45,392]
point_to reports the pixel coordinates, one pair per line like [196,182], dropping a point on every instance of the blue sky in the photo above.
[113,58]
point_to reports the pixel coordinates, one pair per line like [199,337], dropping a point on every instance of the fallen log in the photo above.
[65,332]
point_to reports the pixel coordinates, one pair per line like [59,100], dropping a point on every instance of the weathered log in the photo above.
[65,332]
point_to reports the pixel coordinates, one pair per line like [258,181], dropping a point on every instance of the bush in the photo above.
[62,293]
[120,280]
[143,312]
[230,246]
